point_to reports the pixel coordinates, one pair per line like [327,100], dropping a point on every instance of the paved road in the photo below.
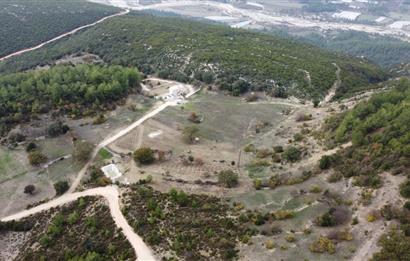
[62,36]
[111,194]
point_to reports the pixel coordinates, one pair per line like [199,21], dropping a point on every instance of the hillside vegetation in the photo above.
[25,23]
[81,230]
[76,91]
[380,133]
[383,50]
[236,60]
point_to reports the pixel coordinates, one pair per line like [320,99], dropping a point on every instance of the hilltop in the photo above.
[235,60]
[28,23]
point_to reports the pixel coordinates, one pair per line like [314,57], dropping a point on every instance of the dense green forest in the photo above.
[26,23]
[236,60]
[76,91]
[380,133]
[383,50]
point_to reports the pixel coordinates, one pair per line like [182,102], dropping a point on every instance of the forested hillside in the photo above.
[383,50]
[379,130]
[77,91]
[25,23]
[380,133]
[236,60]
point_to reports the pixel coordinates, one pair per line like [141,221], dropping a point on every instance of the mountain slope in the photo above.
[25,23]
[237,60]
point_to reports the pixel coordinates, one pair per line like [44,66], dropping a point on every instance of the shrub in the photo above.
[292,154]
[257,184]
[278,149]
[283,214]
[61,187]
[334,216]
[249,148]
[270,244]
[325,162]
[279,92]
[303,117]
[371,218]
[263,153]
[322,245]
[298,137]
[259,219]
[57,129]
[31,146]
[29,189]
[274,181]
[290,238]
[36,158]
[100,119]
[190,134]
[228,178]
[326,220]
[179,197]
[395,246]
[144,156]
[335,177]
[405,189]
[82,151]
[407,205]
[73,218]
[315,189]
[194,118]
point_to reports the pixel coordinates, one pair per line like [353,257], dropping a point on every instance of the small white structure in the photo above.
[381,19]
[348,15]
[112,172]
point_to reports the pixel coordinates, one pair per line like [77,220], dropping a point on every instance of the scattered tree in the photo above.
[29,189]
[57,129]
[292,154]
[82,151]
[190,134]
[228,178]
[144,156]
[395,246]
[31,146]
[61,187]
[36,158]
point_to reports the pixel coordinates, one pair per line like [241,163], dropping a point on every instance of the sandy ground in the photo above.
[388,194]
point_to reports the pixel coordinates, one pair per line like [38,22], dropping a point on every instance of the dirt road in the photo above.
[111,194]
[62,36]
[120,134]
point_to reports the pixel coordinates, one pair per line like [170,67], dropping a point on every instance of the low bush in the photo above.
[36,158]
[292,154]
[323,245]
[228,178]
[144,156]
[61,187]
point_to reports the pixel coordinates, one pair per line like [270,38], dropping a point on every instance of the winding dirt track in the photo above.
[112,195]
[62,36]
